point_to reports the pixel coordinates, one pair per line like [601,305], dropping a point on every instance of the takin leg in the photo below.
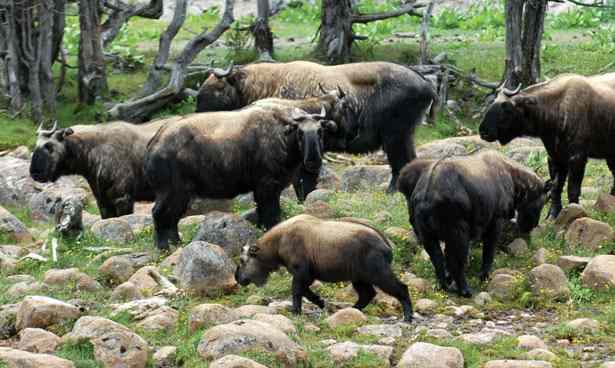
[300,287]
[366,293]
[558,173]
[432,247]
[577,171]
[314,298]
[611,163]
[124,205]
[390,284]
[457,250]
[267,198]
[399,147]
[490,240]
[304,183]
[167,212]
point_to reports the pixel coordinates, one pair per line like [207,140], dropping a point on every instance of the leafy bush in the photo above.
[448,19]
[301,13]
[604,38]
[481,16]
[238,38]
[576,18]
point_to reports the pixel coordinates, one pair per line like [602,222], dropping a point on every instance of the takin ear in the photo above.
[329,125]
[67,132]
[508,106]
[63,133]
[253,251]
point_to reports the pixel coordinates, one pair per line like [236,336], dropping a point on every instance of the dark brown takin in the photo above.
[109,156]
[386,102]
[457,200]
[224,154]
[573,115]
[330,251]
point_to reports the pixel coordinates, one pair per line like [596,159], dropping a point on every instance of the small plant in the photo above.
[578,293]
[80,353]
[576,18]
[448,19]
[238,38]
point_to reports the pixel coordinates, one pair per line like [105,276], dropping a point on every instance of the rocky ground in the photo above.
[107,299]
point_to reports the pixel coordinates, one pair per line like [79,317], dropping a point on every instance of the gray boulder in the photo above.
[226,230]
[205,269]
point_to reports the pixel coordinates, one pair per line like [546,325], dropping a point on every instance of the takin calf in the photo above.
[330,251]
[573,115]
[109,156]
[224,154]
[386,102]
[458,200]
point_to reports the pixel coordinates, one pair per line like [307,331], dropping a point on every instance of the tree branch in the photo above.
[597,4]
[123,12]
[409,9]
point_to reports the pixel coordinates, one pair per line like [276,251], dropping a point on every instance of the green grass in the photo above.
[81,353]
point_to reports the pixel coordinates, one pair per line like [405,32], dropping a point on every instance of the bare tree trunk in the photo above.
[424,44]
[524,31]
[46,58]
[335,39]
[122,12]
[263,38]
[59,23]
[92,76]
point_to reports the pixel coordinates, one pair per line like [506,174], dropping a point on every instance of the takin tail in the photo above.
[432,109]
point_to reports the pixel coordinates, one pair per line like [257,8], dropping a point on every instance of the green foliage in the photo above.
[81,353]
[238,38]
[300,13]
[578,293]
[576,18]
[448,18]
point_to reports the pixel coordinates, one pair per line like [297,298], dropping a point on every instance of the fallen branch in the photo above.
[409,9]
[122,12]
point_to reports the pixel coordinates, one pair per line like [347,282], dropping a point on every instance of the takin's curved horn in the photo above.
[510,93]
[322,88]
[222,73]
[341,92]
[501,85]
[322,115]
[47,132]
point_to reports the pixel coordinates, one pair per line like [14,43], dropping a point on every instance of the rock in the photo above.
[191,220]
[541,354]
[279,321]
[114,345]
[345,351]
[321,210]
[126,292]
[71,276]
[401,234]
[247,311]
[263,300]
[21,152]
[419,284]
[608,365]
[530,342]
[244,335]
[482,298]
[8,317]
[517,364]
[584,326]
[138,222]
[440,149]
[89,219]
[365,177]
[571,263]
[139,309]
[203,206]
[226,230]
[540,257]
[23,359]
[208,315]
[589,233]
[464,311]
[503,287]
[20,278]
[69,217]
[36,340]
[600,273]
[317,195]
[113,230]
[328,178]
[518,247]
[12,227]
[8,265]
[568,215]
[523,154]
[605,203]
[439,333]
[346,316]
[171,261]
[161,319]
[119,269]
[381,330]
[235,361]
[46,204]
[205,269]
[549,281]
[42,312]
[425,306]
[27,288]
[280,306]
[144,282]
[484,337]
[165,357]
[13,251]
[423,355]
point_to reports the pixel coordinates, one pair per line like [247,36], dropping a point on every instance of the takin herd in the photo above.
[262,127]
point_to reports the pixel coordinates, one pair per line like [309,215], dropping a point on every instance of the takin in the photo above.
[329,251]
[573,115]
[386,102]
[457,200]
[109,156]
[224,154]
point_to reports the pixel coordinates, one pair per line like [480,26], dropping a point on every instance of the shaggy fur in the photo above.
[109,156]
[223,154]
[330,251]
[386,101]
[462,199]
[573,115]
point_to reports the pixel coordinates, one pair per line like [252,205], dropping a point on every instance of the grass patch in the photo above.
[81,353]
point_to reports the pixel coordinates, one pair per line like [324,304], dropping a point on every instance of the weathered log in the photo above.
[263,38]
[92,76]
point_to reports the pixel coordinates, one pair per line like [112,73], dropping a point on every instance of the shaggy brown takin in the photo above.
[109,156]
[330,251]
[224,154]
[573,115]
[386,101]
[457,200]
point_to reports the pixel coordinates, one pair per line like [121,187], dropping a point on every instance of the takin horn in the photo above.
[341,92]
[322,88]
[222,73]
[322,115]
[47,132]
[511,93]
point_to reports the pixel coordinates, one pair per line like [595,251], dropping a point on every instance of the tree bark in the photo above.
[92,77]
[263,38]
[524,31]
[121,13]
[424,44]
[335,39]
